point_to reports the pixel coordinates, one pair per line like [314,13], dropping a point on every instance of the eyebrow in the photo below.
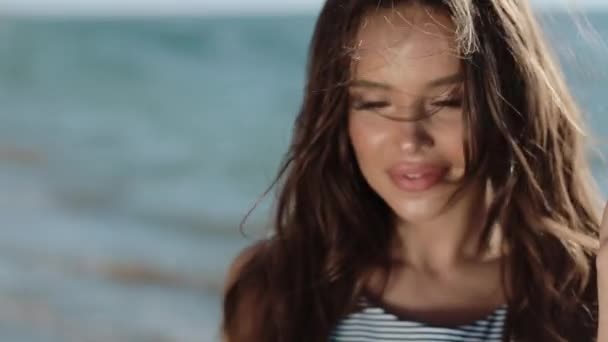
[369,84]
[450,79]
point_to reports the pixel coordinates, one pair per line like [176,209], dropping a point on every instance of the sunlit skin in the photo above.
[406,106]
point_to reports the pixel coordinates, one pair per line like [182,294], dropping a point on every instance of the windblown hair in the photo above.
[525,135]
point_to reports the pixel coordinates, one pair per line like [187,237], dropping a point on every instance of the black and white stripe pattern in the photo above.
[374,324]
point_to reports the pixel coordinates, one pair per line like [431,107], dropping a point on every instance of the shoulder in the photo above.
[240,262]
[243,293]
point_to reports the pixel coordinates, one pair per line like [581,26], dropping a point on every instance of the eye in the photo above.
[367,105]
[453,102]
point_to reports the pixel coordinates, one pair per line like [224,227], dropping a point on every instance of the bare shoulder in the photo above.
[244,257]
[243,291]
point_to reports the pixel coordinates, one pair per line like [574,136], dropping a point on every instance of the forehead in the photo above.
[407,46]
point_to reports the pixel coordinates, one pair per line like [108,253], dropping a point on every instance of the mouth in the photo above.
[416,177]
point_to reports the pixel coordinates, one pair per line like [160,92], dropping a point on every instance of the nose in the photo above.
[413,136]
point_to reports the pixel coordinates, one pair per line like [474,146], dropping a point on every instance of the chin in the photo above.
[419,207]
[417,210]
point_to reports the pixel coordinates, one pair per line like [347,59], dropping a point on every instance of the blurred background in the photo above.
[134,137]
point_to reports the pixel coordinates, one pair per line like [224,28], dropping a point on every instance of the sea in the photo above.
[132,148]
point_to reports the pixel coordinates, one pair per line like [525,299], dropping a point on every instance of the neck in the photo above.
[450,239]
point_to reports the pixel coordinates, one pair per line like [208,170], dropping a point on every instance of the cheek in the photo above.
[451,146]
[366,135]
[448,135]
[368,139]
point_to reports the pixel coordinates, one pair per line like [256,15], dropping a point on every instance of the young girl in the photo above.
[436,189]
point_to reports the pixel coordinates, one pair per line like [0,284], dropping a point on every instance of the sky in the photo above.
[198,7]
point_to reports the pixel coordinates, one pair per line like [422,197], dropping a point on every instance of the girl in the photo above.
[436,188]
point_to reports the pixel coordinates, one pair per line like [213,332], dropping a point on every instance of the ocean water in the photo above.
[130,149]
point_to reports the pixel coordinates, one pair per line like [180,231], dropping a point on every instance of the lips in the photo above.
[416,177]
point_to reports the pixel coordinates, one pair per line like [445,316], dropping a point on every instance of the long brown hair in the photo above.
[524,135]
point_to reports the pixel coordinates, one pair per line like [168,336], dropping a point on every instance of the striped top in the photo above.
[374,324]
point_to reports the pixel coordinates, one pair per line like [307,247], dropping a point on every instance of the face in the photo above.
[406,118]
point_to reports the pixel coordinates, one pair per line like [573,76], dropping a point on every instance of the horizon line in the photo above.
[195,11]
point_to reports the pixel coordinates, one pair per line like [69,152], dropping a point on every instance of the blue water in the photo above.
[130,149]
